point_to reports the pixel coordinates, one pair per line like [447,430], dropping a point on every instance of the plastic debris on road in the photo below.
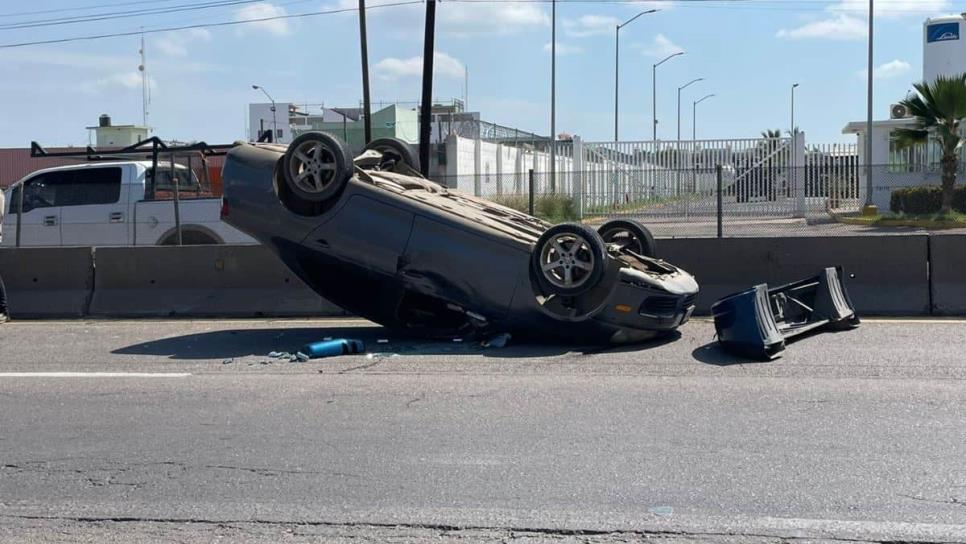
[331,348]
[498,341]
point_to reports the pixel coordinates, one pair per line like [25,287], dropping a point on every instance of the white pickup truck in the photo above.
[113,204]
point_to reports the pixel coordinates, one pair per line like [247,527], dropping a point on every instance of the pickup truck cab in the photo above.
[113,204]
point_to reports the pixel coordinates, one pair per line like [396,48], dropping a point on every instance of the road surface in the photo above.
[140,431]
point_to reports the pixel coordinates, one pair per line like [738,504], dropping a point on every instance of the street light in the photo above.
[274,115]
[677,158]
[617,62]
[694,116]
[792,129]
[654,93]
[681,88]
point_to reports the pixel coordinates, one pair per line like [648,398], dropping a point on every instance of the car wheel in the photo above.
[316,166]
[569,259]
[397,149]
[629,234]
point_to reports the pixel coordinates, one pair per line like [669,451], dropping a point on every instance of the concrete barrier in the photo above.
[199,281]
[885,275]
[47,282]
[948,267]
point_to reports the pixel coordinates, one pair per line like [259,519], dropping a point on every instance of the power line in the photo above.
[203,25]
[123,14]
[82,8]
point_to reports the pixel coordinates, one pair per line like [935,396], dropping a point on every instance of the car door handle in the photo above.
[50,220]
[117,217]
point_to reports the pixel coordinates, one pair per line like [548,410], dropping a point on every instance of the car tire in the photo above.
[630,234]
[569,259]
[316,167]
[397,147]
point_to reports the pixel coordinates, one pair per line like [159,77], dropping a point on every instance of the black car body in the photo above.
[384,243]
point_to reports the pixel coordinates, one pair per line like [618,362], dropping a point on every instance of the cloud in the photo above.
[176,44]
[590,25]
[466,18]
[662,47]
[264,10]
[889,70]
[840,27]
[848,19]
[121,80]
[564,49]
[394,68]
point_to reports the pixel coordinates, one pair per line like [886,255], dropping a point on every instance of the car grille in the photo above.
[663,305]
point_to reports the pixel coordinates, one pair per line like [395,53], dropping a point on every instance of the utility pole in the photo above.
[366,106]
[426,109]
[869,208]
[654,91]
[553,97]
[617,65]
[145,92]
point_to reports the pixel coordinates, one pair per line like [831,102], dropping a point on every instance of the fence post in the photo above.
[530,200]
[798,172]
[719,175]
[577,180]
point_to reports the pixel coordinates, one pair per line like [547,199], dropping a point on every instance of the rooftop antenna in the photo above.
[145,85]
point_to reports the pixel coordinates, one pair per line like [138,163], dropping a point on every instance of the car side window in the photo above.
[90,186]
[78,187]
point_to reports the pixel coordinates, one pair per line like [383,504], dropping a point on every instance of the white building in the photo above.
[944,53]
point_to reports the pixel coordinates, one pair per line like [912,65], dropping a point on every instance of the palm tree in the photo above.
[938,108]
[771,134]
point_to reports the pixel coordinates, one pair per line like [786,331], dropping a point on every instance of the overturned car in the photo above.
[376,238]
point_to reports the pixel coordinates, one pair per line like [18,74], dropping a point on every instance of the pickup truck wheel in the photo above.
[316,166]
[629,234]
[569,259]
[397,149]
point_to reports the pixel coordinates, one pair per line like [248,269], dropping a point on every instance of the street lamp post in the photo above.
[792,128]
[617,63]
[681,88]
[274,114]
[677,146]
[694,116]
[654,90]
[869,208]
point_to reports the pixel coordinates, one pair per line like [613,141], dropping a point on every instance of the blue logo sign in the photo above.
[942,32]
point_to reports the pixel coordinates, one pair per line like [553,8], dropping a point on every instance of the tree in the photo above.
[939,109]
[771,134]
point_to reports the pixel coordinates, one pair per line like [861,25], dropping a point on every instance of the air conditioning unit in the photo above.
[898,111]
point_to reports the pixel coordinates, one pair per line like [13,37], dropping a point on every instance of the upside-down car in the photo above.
[373,236]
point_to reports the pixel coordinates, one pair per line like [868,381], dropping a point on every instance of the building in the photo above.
[109,135]
[944,53]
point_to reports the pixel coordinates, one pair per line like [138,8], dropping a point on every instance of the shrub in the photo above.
[552,208]
[916,200]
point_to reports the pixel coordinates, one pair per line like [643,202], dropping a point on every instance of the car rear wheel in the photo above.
[396,149]
[316,166]
[569,259]
[629,234]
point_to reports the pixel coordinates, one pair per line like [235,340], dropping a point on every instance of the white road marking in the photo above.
[94,374]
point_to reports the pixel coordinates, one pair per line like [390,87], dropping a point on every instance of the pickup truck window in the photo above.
[73,188]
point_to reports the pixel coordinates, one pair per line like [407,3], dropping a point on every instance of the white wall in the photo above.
[261,115]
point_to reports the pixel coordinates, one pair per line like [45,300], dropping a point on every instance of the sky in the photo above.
[749,53]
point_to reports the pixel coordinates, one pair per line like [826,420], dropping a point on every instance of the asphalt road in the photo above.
[148,431]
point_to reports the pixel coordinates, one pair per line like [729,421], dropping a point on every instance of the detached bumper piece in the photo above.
[758,322]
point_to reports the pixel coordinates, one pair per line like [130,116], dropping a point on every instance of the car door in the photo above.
[94,207]
[40,221]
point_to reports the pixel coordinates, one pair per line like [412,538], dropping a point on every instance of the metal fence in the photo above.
[804,200]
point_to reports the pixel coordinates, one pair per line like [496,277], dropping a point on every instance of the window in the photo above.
[186,179]
[78,187]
